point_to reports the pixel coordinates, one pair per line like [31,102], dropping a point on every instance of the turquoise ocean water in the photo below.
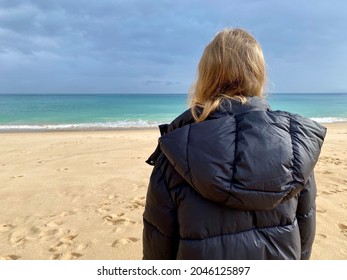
[112,111]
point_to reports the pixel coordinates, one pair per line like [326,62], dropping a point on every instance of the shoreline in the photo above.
[9,131]
[101,129]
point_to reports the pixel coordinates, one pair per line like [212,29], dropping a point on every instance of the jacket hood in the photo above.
[246,156]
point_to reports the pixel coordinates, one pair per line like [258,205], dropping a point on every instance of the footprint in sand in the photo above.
[122,221]
[101,162]
[63,169]
[10,257]
[19,238]
[49,232]
[343,229]
[320,237]
[105,204]
[124,241]
[103,208]
[111,220]
[322,210]
[68,238]
[63,242]
[137,203]
[83,246]
[6,227]
[66,256]
[18,176]
[56,247]
[333,160]
[331,192]
[35,230]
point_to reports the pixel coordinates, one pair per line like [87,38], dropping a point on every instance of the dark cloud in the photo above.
[155,46]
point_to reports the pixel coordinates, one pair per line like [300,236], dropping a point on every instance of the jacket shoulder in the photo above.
[183,119]
[309,127]
[307,137]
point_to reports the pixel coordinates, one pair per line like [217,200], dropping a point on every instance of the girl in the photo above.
[232,179]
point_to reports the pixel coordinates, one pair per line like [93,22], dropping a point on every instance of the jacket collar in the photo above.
[235,107]
[227,106]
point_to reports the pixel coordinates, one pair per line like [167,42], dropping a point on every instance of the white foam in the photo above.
[115,125]
[82,126]
[329,119]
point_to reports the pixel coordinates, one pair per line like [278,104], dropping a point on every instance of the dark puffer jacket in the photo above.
[238,185]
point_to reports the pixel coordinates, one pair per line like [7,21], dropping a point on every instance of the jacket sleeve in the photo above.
[306,216]
[160,232]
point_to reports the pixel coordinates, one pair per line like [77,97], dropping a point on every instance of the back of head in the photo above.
[232,66]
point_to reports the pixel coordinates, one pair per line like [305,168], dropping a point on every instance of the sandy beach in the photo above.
[81,194]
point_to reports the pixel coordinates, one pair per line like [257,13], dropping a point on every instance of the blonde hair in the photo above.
[231,67]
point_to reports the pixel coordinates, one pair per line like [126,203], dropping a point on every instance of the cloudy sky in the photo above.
[154,46]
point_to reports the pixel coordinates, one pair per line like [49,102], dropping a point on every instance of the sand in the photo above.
[81,195]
